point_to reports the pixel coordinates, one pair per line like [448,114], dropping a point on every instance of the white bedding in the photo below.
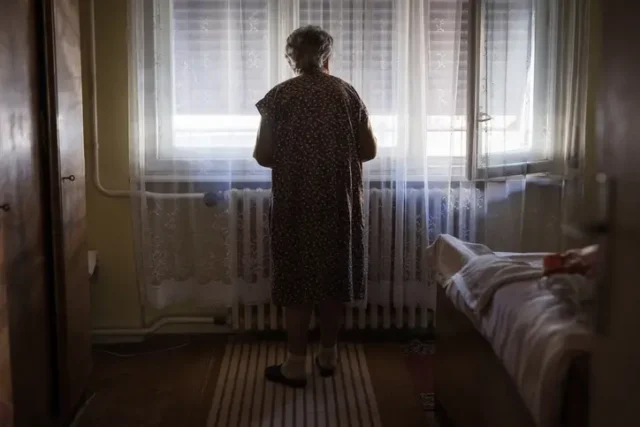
[484,275]
[535,326]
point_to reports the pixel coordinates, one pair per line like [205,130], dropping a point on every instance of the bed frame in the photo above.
[472,387]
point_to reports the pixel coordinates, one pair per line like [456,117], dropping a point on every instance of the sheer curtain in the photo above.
[532,88]
[464,97]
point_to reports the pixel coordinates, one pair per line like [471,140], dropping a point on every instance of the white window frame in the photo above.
[168,157]
[516,163]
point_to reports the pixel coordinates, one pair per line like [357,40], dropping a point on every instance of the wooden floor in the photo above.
[171,381]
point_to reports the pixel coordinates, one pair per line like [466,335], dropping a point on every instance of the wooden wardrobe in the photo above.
[45,342]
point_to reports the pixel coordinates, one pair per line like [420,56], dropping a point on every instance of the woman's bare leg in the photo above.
[297,319]
[331,313]
[293,371]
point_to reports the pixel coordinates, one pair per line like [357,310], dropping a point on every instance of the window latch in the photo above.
[484,117]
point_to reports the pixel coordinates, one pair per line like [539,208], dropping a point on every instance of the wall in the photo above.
[115,298]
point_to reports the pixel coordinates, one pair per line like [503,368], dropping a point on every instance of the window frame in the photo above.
[459,167]
[516,163]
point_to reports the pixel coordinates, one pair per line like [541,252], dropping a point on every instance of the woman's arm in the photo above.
[367,142]
[263,152]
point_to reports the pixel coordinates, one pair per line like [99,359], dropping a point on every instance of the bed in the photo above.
[500,366]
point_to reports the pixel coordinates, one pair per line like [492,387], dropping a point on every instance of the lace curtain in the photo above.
[470,101]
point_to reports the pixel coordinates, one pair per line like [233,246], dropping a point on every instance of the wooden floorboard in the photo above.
[171,381]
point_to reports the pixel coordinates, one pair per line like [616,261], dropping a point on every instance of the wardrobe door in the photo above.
[68,197]
[26,339]
[616,362]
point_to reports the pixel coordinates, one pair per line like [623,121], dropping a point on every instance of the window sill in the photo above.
[513,170]
[382,169]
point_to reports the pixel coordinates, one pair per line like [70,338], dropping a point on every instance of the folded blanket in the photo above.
[448,254]
[482,276]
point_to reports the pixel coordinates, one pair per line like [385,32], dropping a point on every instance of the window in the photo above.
[513,82]
[481,64]
[214,64]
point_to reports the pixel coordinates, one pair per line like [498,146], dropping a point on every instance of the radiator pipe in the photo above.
[95,144]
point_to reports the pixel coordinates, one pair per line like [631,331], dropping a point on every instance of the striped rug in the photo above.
[243,398]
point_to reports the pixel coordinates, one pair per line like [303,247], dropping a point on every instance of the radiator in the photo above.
[401,225]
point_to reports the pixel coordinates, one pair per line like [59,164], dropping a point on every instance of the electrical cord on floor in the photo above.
[145,353]
[82,409]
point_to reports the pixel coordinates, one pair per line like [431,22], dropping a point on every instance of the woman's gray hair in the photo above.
[308,48]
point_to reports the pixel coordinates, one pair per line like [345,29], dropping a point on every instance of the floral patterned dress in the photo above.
[317,224]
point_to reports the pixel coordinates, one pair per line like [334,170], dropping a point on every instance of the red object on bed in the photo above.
[579,261]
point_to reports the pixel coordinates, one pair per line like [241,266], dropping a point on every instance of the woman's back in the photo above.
[317,219]
[315,122]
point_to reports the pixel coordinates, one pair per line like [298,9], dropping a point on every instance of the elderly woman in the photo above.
[314,135]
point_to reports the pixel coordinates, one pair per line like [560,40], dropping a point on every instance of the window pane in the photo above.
[220,54]
[448,51]
[506,82]
[364,33]
[447,44]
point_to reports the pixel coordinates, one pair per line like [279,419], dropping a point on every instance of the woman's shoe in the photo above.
[274,374]
[325,372]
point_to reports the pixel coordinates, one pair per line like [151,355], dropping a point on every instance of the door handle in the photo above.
[70,178]
[5,207]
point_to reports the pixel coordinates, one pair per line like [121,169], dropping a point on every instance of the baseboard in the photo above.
[132,336]
[375,335]
[390,335]
[116,339]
